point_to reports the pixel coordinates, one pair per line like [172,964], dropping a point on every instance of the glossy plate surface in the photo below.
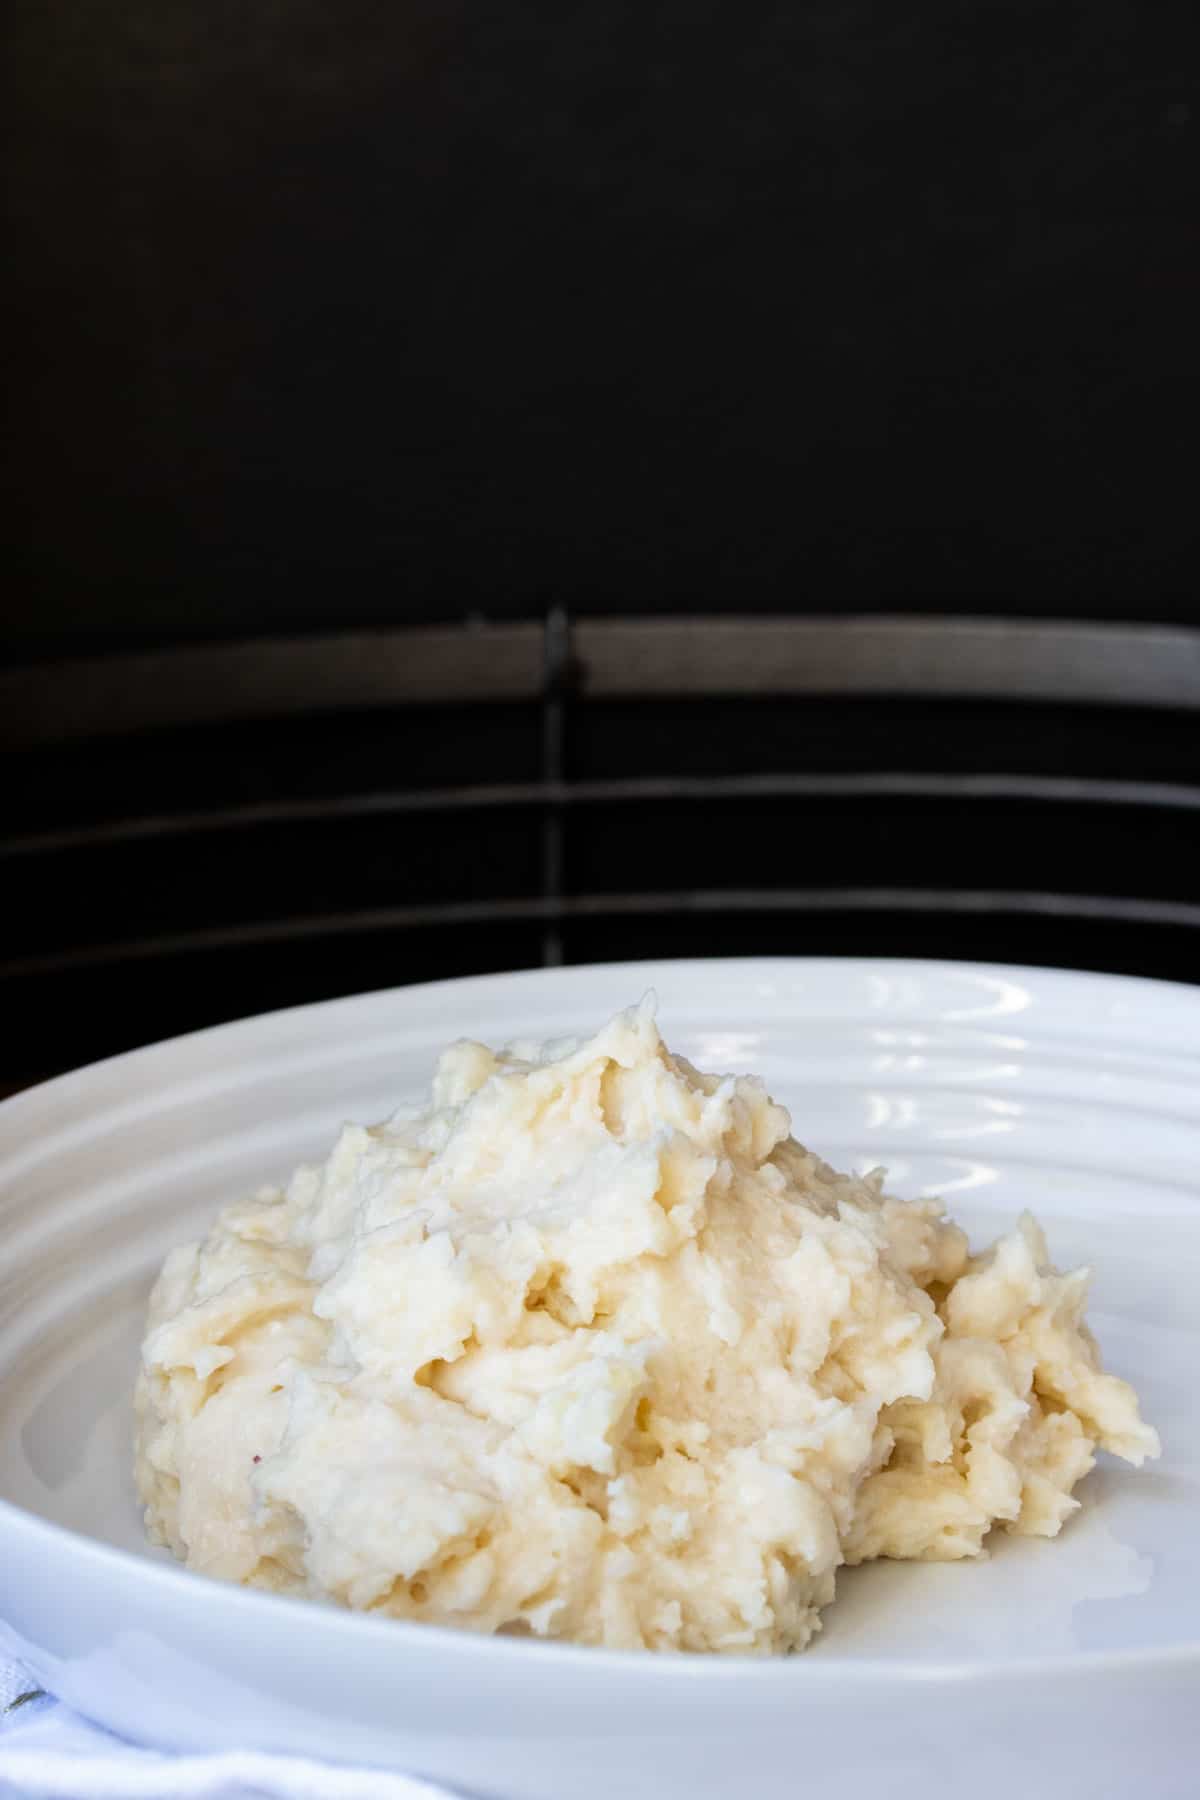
[998,1088]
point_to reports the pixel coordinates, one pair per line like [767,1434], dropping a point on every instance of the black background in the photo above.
[373,312]
[320,316]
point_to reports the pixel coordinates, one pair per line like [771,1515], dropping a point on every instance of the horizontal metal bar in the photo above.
[987,658]
[882,784]
[1009,659]
[267,678]
[1114,909]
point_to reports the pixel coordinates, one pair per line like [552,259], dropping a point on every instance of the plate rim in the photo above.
[1149,986]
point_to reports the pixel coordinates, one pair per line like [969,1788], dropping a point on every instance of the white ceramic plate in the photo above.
[1065,1667]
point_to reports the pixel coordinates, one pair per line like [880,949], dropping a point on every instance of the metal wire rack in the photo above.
[201,832]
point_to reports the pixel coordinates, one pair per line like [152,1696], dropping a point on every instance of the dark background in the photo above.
[382,311]
[327,316]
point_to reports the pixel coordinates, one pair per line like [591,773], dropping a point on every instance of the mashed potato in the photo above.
[593,1349]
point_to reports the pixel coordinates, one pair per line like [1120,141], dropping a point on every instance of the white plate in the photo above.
[1064,1667]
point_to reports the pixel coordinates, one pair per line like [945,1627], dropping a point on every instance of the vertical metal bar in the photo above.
[555,683]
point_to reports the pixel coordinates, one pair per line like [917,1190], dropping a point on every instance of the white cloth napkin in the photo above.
[47,1752]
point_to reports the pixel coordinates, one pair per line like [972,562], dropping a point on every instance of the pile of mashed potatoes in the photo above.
[593,1349]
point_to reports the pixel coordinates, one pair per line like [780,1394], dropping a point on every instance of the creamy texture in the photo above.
[592,1348]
